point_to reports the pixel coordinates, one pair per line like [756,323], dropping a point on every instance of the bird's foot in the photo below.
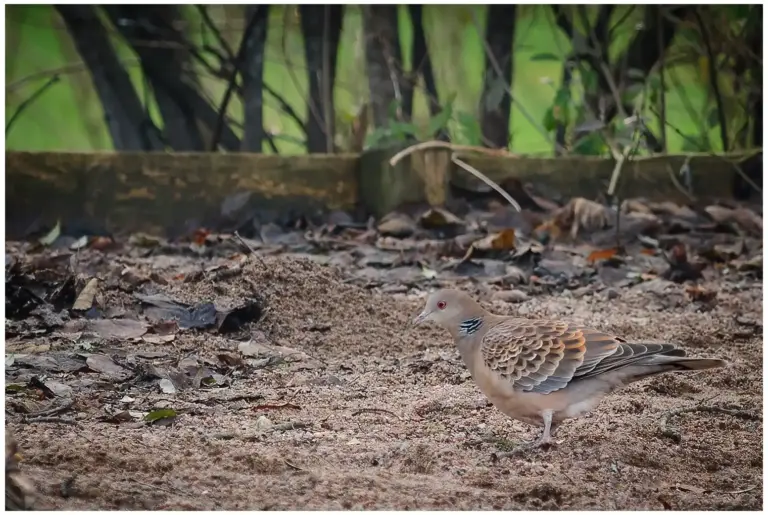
[543,442]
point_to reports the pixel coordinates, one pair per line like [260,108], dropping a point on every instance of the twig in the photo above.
[500,73]
[294,467]
[620,21]
[486,180]
[735,166]
[53,411]
[677,184]
[250,251]
[425,145]
[55,420]
[27,102]
[287,426]
[374,410]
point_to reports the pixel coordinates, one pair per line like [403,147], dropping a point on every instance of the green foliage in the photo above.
[545,56]
[469,128]
[590,145]
[398,132]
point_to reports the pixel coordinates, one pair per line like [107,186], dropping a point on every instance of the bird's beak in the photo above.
[422,317]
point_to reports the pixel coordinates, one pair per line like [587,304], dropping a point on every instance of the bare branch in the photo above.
[29,101]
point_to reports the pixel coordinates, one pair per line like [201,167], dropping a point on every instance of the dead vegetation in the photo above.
[274,369]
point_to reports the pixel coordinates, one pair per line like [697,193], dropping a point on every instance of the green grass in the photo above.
[69,115]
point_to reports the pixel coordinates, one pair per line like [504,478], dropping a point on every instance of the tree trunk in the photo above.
[421,64]
[128,126]
[495,102]
[162,50]
[383,60]
[252,70]
[321,28]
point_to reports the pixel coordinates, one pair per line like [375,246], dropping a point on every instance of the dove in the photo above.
[542,372]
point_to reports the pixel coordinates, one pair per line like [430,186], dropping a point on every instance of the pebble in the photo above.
[511,296]
[263,423]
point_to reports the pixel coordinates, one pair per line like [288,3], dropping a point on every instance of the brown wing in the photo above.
[544,356]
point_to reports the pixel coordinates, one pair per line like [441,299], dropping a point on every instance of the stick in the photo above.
[250,251]
[27,102]
[444,144]
[486,180]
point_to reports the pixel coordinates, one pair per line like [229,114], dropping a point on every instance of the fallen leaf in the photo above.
[599,255]
[117,328]
[234,319]
[503,240]
[699,293]
[160,414]
[167,386]
[102,243]
[436,218]
[79,244]
[52,235]
[84,301]
[104,365]
[144,240]
[116,418]
[158,338]
[200,235]
[428,272]
[396,224]
[133,277]
[162,309]
[581,214]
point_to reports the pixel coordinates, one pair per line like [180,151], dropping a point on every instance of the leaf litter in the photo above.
[199,325]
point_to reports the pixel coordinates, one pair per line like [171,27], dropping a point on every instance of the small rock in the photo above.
[263,423]
[510,296]
[612,294]
[167,386]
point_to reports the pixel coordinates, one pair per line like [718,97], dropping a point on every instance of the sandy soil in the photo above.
[364,414]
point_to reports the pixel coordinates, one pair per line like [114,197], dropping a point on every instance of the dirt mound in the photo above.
[375,417]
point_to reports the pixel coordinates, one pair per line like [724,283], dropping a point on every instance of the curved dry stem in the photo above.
[486,180]
[425,145]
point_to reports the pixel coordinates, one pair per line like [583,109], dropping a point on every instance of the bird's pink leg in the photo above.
[544,440]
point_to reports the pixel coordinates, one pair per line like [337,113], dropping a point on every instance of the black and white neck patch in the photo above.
[470,326]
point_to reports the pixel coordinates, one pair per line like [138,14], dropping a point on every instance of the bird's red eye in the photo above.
[441,304]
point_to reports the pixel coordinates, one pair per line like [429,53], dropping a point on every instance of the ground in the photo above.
[331,401]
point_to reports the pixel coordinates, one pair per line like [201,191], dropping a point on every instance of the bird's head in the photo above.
[449,308]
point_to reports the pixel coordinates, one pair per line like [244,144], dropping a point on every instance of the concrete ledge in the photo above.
[153,192]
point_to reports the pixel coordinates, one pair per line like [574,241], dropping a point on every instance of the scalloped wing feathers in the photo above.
[544,356]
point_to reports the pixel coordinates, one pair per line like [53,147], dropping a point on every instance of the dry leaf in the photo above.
[84,301]
[598,255]
[504,240]
[396,224]
[438,217]
[699,293]
[634,205]
[52,235]
[582,214]
[103,364]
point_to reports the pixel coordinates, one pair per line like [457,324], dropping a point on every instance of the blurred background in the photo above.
[538,80]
